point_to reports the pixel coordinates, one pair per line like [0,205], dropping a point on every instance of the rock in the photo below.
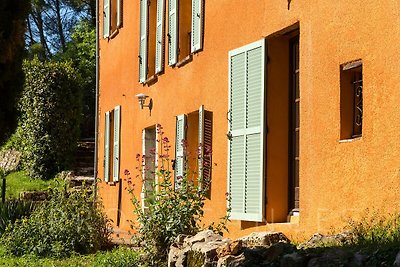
[276,250]
[263,239]
[34,195]
[331,257]
[208,250]
[358,260]
[231,248]
[173,256]
[319,240]
[293,260]
[9,160]
[203,236]
[231,261]
[397,260]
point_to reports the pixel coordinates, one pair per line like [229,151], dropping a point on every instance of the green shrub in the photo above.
[67,223]
[12,210]
[50,108]
[375,230]
[169,211]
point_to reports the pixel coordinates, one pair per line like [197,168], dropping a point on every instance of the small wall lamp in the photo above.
[142,100]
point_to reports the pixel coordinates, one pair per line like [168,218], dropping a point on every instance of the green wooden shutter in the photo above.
[247,141]
[117,134]
[106,18]
[149,152]
[107,147]
[144,27]
[180,159]
[119,13]
[197,25]
[172,32]
[160,36]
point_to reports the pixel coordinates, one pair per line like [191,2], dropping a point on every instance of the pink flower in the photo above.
[137,156]
[126,172]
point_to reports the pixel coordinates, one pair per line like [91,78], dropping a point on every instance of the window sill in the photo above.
[114,33]
[151,80]
[112,183]
[184,61]
[350,140]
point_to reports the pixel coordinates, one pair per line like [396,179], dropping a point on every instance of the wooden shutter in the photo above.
[172,32]
[117,132]
[144,27]
[246,144]
[106,18]
[205,144]
[160,37]
[197,25]
[119,13]
[107,147]
[180,159]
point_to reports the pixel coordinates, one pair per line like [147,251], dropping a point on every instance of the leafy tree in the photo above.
[50,109]
[81,50]
[12,27]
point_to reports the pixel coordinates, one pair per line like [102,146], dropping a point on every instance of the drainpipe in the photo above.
[96,118]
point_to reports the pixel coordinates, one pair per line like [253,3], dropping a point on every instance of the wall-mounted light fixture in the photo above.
[142,100]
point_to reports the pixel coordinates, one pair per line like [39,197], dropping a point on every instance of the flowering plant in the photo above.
[167,209]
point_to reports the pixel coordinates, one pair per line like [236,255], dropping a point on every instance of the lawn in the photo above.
[18,182]
[119,257]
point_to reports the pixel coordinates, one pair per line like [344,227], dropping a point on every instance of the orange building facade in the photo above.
[297,100]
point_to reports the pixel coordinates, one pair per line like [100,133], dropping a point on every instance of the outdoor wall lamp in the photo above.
[142,100]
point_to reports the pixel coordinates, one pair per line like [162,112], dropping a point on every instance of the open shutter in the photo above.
[197,25]
[172,32]
[106,18]
[179,147]
[143,193]
[144,13]
[117,131]
[160,37]
[119,13]
[149,151]
[205,144]
[246,144]
[107,147]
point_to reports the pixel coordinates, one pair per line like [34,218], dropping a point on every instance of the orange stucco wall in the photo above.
[337,179]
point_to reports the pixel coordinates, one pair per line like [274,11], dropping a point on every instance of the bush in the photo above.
[12,210]
[169,211]
[376,231]
[67,223]
[50,108]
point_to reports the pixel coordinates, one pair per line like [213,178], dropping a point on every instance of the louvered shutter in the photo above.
[143,193]
[205,144]
[117,131]
[106,18]
[197,25]
[107,147]
[180,160]
[144,12]
[160,36]
[247,141]
[119,13]
[172,32]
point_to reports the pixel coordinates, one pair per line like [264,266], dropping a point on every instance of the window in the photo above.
[151,51]
[246,132]
[193,146]
[112,144]
[149,141]
[351,100]
[185,29]
[112,17]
